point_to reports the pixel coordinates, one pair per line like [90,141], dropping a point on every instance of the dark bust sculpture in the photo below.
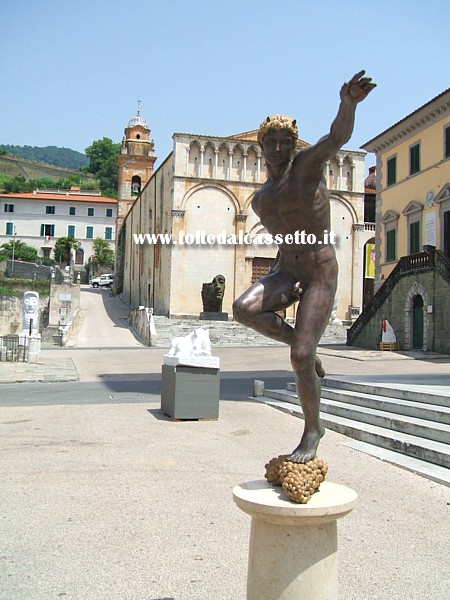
[295,199]
[212,294]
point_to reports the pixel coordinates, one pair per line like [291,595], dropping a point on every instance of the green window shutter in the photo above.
[414,159]
[447,142]
[392,170]
[390,244]
[414,237]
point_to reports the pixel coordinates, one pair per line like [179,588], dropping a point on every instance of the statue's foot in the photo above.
[319,368]
[307,448]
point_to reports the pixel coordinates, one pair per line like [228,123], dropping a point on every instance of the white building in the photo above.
[40,217]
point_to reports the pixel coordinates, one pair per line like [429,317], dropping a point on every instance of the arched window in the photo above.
[135,185]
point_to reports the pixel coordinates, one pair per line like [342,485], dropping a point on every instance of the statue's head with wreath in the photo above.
[278,122]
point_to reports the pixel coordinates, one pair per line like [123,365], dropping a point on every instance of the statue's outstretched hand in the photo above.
[357,88]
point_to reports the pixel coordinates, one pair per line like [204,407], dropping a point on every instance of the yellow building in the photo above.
[412,242]
[413,183]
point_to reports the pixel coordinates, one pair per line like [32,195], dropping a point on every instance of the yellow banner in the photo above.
[370,261]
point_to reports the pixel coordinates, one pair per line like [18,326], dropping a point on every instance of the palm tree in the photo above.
[103,255]
[63,248]
[20,250]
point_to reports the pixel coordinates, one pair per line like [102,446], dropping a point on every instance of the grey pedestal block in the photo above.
[190,392]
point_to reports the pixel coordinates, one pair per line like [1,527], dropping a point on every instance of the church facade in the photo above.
[205,186]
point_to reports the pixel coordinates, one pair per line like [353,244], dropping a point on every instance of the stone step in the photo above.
[409,445]
[415,426]
[402,406]
[228,333]
[406,407]
[421,467]
[391,391]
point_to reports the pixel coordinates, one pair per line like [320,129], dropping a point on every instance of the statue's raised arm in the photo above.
[352,92]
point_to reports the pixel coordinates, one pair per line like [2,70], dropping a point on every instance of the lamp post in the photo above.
[13,248]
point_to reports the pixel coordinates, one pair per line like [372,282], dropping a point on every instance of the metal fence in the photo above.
[13,348]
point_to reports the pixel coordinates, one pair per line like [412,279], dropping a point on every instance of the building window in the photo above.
[414,237]
[9,229]
[72,211]
[391,239]
[47,230]
[90,212]
[413,213]
[447,142]
[9,207]
[136,185]
[89,232]
[49,210]
[71,230]
[109,212]
[391,170]
[108,233]
[390,224]
[414,159]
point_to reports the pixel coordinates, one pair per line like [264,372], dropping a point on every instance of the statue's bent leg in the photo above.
[256,307]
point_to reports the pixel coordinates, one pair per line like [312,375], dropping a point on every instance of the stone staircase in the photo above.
[229,333]
[406,427]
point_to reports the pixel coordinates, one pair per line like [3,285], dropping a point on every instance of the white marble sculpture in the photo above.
[193,350]
[30,310]
[333,319]
[388,333]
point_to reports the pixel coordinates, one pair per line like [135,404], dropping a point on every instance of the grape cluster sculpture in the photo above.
[298,480]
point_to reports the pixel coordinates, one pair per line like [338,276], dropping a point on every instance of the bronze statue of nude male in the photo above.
[295,198]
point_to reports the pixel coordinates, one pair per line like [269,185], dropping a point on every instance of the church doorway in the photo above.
[417,323]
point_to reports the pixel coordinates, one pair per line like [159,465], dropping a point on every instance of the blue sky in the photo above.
[73,70]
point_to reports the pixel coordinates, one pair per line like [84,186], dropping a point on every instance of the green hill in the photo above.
[52,155]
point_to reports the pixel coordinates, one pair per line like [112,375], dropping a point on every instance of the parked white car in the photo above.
[102,281]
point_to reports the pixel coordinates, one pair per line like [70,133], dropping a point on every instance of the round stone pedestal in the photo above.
[293,547]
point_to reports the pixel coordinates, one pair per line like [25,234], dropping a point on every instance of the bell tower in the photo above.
[136,160]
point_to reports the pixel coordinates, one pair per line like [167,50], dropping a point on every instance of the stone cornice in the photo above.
[437,108]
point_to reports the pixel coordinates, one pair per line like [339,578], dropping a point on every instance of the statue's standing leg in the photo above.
[312,317]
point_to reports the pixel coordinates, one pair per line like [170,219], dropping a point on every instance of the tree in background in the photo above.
[103,255]
[22,251]
[103,155]
[63,248]
[14,185]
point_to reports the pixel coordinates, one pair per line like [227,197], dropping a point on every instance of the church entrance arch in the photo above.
[417,319]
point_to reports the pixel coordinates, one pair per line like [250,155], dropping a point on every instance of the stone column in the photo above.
[293,547]
[177,222]
[187,161]
[216,162]
[202,155]
[240,285]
